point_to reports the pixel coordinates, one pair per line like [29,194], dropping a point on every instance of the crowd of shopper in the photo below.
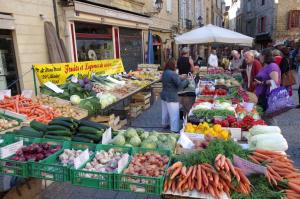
[260,70]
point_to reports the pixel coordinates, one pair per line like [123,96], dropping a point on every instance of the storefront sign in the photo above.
[58,73]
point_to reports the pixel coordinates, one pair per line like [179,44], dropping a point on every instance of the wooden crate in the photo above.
[135,114]
[103,118]
[147,106]
[142,96]
[135,107]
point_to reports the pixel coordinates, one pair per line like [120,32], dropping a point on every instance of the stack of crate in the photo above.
[156,89]
[142,99]
[111,120]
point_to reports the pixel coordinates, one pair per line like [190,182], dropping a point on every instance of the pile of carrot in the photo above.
[26,106]
[280,171]
[206,178]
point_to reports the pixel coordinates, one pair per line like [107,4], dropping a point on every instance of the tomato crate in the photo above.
[52,169]
[101,180]
[142,184]
[19,168]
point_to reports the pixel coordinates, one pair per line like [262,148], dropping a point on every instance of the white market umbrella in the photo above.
[213,34]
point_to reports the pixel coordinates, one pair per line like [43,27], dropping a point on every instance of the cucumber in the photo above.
[59,133]
[66,119]
[57,127]
[58,137]
[27,128]
[81,139]
[93,124]
[90,136]
[62,123]
[89,130]
[38,125]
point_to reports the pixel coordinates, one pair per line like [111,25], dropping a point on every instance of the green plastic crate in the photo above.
[102,180]
[52,169]
[141,184]
[18,168]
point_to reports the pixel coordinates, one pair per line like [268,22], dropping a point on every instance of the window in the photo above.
[262,2]
[294,19]
[169,6]
[261,25]
[94,41]
[249,6]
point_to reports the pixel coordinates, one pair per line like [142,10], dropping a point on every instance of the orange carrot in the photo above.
[194,172]
[204,177]
[189,171]
[199,177]
[294,187]
[175,173]
[176,165]
[253,159]
[260,155]
[222,160]
[211,191]
[183,171]
[218,157]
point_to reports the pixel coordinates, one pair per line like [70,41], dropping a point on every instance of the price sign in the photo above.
[10,149]
[123,162]
[106,137]
[53,87]
[81,159]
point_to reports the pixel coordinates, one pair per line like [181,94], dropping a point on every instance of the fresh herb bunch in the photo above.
[211,113]
[215,147]
[260,190]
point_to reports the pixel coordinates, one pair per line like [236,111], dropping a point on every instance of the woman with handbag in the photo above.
[287,73]
[171,84]
[270,71]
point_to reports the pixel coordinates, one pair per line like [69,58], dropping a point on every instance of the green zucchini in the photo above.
[28,133]
[57,127]
[58,137]
[89,130]
[59,133]
[93,124]
[81,139]
[89,136]
[62,123]
[38,125]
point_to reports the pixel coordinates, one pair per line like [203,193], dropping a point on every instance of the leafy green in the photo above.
[260,189]
[211,113]
[215,147]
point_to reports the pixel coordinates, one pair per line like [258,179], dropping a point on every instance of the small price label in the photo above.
[10,149]
[4,93]
[81,159]
[53,87]
[248,167]
[27,93]
[123,162]
[106,137]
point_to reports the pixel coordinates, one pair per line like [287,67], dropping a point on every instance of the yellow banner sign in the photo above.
[58,73]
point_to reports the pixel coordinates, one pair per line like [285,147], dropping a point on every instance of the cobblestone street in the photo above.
[289,123]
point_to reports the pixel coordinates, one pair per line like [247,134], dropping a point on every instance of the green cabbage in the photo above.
[118,140]
[130,132]
[148,145]
[152,138]
[144,135]
[135,141]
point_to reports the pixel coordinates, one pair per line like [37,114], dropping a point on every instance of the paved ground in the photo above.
[289,123]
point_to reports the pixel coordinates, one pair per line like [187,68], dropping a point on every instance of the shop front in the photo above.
[98,33]
[8,65]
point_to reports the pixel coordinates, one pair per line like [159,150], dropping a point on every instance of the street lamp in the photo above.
[200,19]
[159,5]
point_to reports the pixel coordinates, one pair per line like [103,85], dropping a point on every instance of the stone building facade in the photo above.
[106,29]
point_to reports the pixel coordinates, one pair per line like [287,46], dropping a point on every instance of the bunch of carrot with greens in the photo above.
[281,172]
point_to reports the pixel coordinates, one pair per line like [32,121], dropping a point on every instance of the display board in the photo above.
[58,73]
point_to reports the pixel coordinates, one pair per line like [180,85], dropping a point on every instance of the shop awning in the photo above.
[56,48]
[213,34]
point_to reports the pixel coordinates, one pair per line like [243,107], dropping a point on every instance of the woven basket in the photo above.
[252,97]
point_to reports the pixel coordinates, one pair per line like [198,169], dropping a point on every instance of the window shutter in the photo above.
[169,6]
[290,20]
[264,21]
[258,25]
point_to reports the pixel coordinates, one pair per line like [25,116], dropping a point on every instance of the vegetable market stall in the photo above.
[97,86]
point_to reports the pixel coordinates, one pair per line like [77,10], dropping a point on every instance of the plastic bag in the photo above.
[279,101]
[191,87]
